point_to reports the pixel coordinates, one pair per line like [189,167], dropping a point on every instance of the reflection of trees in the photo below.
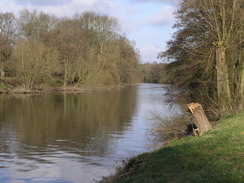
[73,122]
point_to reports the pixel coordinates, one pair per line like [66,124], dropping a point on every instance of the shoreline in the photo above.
[60,89]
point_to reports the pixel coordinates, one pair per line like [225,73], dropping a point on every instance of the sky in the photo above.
[148,23]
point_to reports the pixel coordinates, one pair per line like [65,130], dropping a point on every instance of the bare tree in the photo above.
[7,33]
[86,49]
[35,24]
[222,17]
[33,62]
[209,36]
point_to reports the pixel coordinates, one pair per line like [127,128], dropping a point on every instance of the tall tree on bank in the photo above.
[7,21]
[223,17]
[207,32]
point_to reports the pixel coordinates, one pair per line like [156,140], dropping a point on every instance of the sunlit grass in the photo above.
[218,156]
[2,85]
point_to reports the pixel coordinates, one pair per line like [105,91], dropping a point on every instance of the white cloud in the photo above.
[128,26]
[133,11]
[149,53]
[42,2]
[59,7]
[171,2]
[164,17]
[80,6]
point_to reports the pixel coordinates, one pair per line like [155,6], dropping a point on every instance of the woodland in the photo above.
[87,50]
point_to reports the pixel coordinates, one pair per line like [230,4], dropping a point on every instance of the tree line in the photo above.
[153,72]
[88,49]
[207,53]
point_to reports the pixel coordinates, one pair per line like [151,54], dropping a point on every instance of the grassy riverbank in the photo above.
[218,156]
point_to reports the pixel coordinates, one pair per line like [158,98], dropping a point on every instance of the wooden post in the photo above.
[199,118]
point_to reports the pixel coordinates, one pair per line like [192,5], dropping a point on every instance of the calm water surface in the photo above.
[66,138]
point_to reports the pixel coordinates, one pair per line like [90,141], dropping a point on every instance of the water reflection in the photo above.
[72,137]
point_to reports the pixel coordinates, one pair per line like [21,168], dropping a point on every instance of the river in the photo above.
[79,137]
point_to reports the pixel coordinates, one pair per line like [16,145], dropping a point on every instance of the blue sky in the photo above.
[147,22]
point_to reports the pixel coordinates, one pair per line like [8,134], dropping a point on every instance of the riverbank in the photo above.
[217,156]
[5,89]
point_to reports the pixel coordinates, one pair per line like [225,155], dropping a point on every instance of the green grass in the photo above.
[216,157]
[2,85]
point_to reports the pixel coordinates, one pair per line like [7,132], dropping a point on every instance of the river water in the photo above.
[76,138]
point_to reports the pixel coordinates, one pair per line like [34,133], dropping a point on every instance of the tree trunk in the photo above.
[223,85]
[199,118]
[65,75]
[2,72]
[241,91]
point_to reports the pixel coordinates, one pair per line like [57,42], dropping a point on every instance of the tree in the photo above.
[207,31]
[111,56]
[128,61]
[7,21]
[71,43]
[224,19]
[34,24]
[33,62]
